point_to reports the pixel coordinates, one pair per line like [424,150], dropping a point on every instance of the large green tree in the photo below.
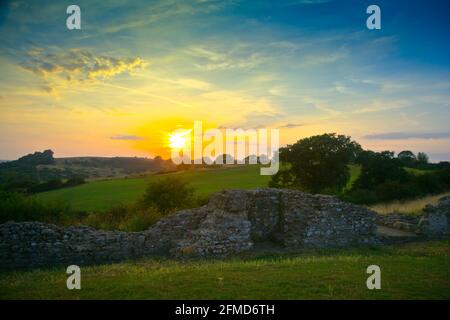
[317,163]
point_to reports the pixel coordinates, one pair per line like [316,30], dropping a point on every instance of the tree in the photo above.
[377,168]
[422,158]
[407,157]
[317,163]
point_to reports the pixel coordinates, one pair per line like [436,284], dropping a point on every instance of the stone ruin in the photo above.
[232,222]
[433,222]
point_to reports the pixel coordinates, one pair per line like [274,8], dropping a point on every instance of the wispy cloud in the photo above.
[408,135]
[381,105]
[239,57]
[126,137]
[291,125]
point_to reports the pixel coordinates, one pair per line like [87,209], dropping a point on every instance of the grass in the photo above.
[101,195]
[355,172]
[408,207]
[105,194]
[414,271]
[417,171]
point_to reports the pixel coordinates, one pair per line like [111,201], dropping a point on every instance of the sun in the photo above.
[179,139]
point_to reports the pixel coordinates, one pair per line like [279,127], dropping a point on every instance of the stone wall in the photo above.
[401,221]
[230,223]
[435,220]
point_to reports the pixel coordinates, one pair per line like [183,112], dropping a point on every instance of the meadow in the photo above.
[104,194]
[101,195]
[413,271]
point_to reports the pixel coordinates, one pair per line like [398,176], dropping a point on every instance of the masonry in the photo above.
[232,222]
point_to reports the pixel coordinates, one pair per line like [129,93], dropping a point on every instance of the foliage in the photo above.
[168,194]
[317,163]
[384,179]
[123,217]
[55,184]
[407,157]
[422,158]
[18,207]
[377,168]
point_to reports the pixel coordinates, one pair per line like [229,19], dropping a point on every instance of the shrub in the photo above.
[141,220]
[123,217]
[19,207]
[75,181]
[109,220]
[428,183]
[360,196]
[46,186]
[391,190]
[167,195]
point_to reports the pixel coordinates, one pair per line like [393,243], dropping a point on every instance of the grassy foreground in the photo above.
[414,271]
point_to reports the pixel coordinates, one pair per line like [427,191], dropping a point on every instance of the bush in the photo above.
[360,196]
[428,183]
[46,186]
[75,181]
[167,195]
[19,207]
[395,190]
[109,220]
[125,218]
[141,220]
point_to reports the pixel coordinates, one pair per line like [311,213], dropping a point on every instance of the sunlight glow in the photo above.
[179,139]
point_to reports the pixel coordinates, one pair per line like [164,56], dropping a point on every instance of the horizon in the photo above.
[137,71]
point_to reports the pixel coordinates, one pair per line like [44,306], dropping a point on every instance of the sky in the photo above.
[137,70]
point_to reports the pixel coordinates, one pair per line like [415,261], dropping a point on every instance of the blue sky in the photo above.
[142,68]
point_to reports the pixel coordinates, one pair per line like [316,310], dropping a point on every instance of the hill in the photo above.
[40,167]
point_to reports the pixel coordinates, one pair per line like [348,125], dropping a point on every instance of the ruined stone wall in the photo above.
[230,223]
[435,220]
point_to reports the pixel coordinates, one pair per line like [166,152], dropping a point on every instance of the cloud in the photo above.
[291,125]
[408,135]
[381,105]
[77,66]
[192,83]
[126,137]
[239,57]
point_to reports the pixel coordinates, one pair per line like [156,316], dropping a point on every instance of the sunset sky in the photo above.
[137,70]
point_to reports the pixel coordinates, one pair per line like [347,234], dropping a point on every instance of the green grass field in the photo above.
[100,195]
[104,194]
[414,271]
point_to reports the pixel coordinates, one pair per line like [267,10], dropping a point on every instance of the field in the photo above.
[414,271]
[100,195]
[103,194]
[414,206]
